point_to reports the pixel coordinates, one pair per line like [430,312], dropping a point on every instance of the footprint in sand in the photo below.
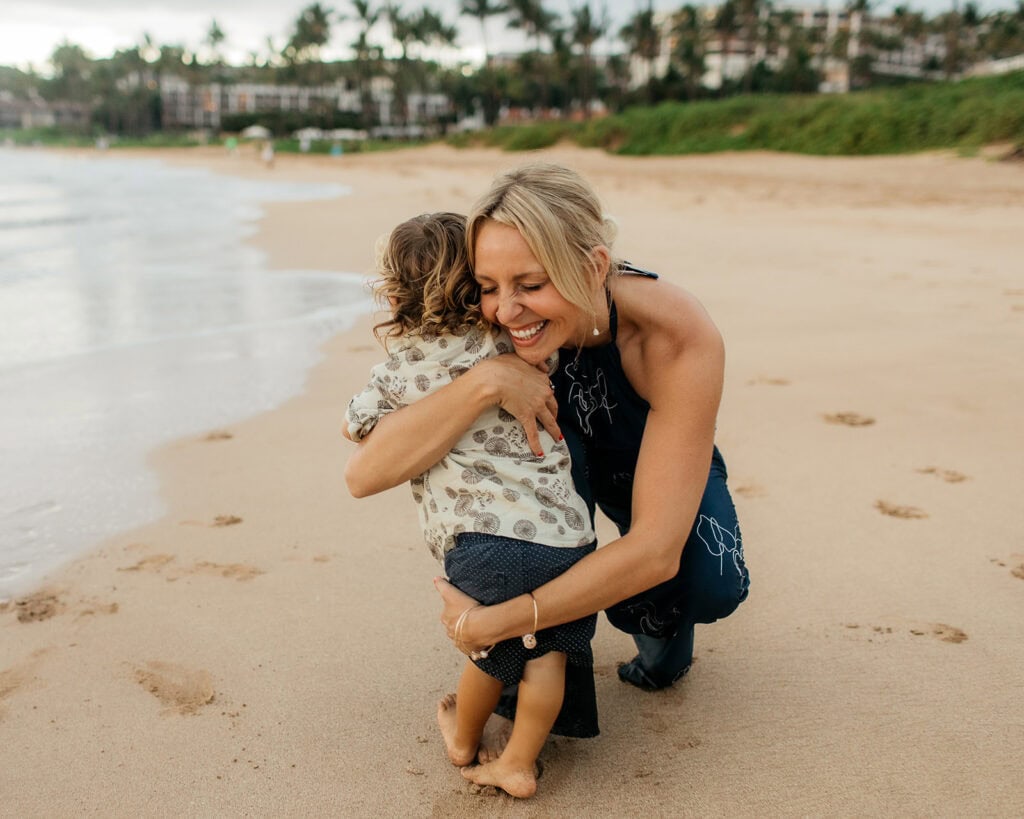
[946,633]
[894,511]
[182,690]
[39,606]
[219,435]
[849,419]
[46,604]
[1017,571]
[948,475]
[91,608]
[234,571]
[153,563]
[750,490]
[941,631]
[768,381]
[158,563]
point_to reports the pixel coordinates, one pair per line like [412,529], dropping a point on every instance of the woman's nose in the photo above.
[508,308]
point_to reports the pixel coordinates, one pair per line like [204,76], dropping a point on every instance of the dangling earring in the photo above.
[596,331]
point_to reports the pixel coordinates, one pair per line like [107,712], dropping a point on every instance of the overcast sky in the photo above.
[31,29]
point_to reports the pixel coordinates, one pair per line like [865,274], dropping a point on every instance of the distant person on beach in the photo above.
[501,515]
[636,394]
[267,154]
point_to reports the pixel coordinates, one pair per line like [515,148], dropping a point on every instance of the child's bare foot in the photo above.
[518,782]
[496,735]
[446,720]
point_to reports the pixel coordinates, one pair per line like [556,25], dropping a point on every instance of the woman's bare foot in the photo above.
[518,782]
[496,735]
[446,721]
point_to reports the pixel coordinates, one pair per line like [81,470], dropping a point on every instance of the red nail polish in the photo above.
[561,437]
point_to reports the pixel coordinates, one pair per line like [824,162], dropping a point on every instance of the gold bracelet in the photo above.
[530,638]
[473,655]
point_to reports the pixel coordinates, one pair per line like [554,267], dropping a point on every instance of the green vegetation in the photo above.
[362,146]
[962,115]
[55,137]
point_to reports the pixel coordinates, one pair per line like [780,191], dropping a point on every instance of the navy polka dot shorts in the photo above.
[493,569]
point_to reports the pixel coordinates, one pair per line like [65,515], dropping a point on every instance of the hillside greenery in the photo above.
[960,115]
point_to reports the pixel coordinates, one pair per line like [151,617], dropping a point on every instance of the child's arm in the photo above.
[412,439]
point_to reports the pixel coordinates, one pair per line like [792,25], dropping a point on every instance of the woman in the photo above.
[636,393]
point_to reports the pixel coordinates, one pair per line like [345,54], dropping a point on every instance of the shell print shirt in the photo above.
[490,482]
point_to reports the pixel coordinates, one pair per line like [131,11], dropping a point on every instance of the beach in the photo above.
[270,646]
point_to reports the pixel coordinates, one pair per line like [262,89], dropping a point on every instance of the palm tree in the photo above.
[688,28]
[482,9]
[214,37]
[643,39]
[535,22]
[531,18]
[312,32]
[71,70]
[587,29]
[424,27]
[749,13]
[727,26]
[367,15]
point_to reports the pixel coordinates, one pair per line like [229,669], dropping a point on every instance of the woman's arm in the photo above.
[673,356]
[409,441]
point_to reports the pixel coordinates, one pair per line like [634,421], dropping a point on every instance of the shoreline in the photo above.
[202,664]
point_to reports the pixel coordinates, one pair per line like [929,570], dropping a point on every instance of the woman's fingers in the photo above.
[549,418]
[525,391]
[453,604]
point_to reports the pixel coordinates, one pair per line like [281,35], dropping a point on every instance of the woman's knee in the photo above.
[718,579]
[719,600]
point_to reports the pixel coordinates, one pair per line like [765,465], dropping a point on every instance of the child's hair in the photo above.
[423,278]
[558,215]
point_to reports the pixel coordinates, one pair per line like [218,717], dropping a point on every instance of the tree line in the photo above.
[556,74]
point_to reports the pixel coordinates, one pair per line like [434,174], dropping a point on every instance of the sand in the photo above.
[271,646]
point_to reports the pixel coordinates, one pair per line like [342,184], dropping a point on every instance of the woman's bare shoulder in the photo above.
[670,348]
[654,310]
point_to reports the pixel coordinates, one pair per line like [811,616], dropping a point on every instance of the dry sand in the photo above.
[271,646]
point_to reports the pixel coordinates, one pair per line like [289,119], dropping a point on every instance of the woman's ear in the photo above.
[601,259]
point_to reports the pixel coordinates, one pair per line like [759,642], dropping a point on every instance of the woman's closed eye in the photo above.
[522,288]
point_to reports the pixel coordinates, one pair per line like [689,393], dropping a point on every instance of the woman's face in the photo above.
[516,293]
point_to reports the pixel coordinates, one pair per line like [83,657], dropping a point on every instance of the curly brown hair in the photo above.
[424,278]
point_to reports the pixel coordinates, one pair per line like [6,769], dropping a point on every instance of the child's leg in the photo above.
[462,719]
[540,699]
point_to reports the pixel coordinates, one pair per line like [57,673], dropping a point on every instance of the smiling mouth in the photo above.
[526,333]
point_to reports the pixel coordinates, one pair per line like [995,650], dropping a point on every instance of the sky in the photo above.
[31,29]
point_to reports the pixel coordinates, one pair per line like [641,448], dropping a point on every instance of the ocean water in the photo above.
[132,313]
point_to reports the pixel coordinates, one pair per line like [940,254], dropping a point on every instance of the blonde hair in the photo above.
[423,278]
[559,216]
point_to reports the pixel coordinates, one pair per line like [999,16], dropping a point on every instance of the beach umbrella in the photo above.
[256,132]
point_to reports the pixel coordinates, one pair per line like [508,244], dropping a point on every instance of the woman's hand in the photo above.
[454,603]
[522,390]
